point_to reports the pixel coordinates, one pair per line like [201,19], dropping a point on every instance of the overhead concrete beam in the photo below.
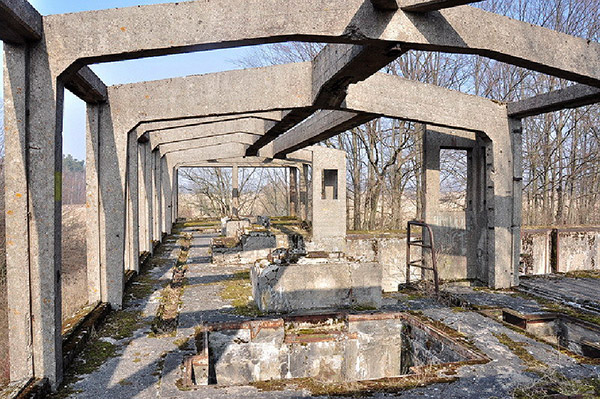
[134,32]
[387,5]
[251,126]
[86,85]
[211,153]
[321,126]
[570,97]
[218,94]
[19,22]
[334,68]
[248,162]
[395,97]
[432,5]
[151,127]
[211,141]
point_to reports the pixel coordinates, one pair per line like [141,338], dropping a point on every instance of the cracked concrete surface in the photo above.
[149,367]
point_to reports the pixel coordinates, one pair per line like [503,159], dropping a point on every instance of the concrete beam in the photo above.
[150,127]
[218,94]
[432,5]
[334,68]
[250,126]
[243,138]
[86,85]
[570,97]
[211,153]
[152,30]
[386,5]
[19,22]
[321,126]
[246,162]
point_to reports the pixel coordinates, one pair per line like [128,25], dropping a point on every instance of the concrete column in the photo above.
[142,199]
[516,128]
[303,197]
[235,193]
[93,204]
[156,195]
[148,186]
[175,194]
[167,196]
[112,208]
[132,232]
[329,199]
[293,177]
[33,125]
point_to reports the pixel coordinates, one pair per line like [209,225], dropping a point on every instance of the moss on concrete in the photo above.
[519,349]
[556,385]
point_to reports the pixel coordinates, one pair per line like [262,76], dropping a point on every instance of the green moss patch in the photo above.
[519,349]
[238,290]
[557,385]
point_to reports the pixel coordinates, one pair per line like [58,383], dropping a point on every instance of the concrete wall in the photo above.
[389,252]
[560,250]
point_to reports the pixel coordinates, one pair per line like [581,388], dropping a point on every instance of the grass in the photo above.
[238,290]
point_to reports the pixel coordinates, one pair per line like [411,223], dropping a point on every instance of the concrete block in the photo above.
[235,228]
[316,285]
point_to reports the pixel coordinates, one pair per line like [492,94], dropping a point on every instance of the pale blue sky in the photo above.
[127,71]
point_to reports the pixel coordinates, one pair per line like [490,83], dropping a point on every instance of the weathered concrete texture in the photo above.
[330,350]
[235,228]
[578,292]
[577,249]
[389,253]
[328,199]
[134,32]
[536,251]
[314,284]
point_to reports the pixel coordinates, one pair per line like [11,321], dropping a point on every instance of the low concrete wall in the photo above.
[316,284]
[559,250]
[389,252]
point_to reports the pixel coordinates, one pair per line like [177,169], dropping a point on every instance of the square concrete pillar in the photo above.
[93,204]
[156,196]
[167,196]
[235,192]
[175,194]
[329,199]
[112,183]
[145,197]
[293,190]
[132,252]
[303,195]
[33,101]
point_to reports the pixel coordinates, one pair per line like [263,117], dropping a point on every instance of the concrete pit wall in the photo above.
[331,348]
[559,250]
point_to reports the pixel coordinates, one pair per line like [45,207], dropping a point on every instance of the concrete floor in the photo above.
[148,367]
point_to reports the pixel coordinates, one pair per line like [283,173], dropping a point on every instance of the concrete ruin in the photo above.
[139,135]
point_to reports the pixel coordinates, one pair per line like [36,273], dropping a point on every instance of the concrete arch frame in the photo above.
[43,55]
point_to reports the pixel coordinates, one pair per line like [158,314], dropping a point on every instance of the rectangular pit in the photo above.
[330,348]
[577,336]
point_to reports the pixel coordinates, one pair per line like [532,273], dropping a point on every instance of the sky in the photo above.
[126,71]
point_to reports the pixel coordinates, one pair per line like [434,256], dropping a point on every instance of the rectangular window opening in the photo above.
[330,184]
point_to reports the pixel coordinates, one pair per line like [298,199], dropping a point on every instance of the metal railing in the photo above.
[421,262]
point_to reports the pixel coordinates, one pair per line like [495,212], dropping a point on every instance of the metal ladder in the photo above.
[421,262]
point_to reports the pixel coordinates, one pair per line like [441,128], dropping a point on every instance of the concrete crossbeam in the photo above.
[251,126]
[243,138]
[321,126]
[86,85]
[136,32]
[387,5]
[334,68]
[432,5]
[216,152]
[19,22]
[570,97]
